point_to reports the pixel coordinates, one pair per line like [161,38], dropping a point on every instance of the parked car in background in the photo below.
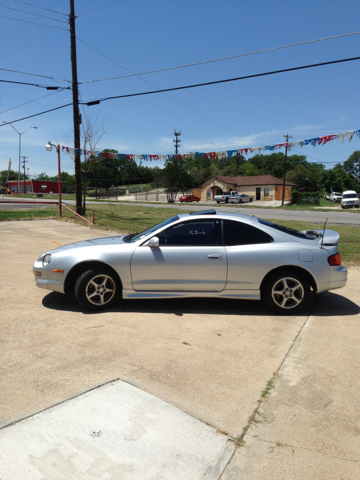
[189,198]
[327,196]
[350,199]
[336,197]
[240,198]
[201,254]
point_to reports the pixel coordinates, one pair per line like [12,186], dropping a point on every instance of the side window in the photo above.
[196,232]
[238,233]
[266,192]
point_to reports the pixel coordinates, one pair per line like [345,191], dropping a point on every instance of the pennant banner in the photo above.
[216,155]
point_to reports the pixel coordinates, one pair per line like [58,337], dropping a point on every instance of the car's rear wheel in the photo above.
[188,200]
[286,292]
[198,199]
[97,289]
[217,201]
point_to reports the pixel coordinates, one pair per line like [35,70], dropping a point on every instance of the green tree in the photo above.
[12,176]
[65,178]
[307,178]
[250,170]
[174,178]
[352,165]
[336,179]
[42,176]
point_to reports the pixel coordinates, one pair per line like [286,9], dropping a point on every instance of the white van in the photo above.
[349,199]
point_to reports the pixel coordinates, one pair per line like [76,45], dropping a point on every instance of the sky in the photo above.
[126,37]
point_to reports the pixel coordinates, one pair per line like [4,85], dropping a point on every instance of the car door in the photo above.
[190,257]
[249,252]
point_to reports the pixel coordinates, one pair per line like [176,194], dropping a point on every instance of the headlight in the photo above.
[46,260]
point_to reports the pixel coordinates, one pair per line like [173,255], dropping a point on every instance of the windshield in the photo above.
[350,195]
[288,230]
[149,231]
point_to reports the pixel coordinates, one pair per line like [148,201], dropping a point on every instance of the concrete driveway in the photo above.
[209,358]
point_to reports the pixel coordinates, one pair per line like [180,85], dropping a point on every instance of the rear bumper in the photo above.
[338,277]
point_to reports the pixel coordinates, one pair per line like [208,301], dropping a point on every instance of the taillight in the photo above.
[335,259]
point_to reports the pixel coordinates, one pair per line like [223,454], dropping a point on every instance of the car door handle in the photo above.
[214,257]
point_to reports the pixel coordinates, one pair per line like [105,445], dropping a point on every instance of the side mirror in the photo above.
[154,242]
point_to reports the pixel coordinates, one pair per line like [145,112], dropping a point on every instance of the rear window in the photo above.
[287,230]
[238,233]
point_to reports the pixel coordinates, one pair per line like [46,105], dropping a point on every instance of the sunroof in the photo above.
[205,212]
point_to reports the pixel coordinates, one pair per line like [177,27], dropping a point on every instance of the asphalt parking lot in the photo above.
[209,358]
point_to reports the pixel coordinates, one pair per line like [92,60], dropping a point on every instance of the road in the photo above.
[337,217]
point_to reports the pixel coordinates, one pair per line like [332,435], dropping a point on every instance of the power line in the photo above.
[36,114]
[14,32]
[35,99]
[33,85]
[35,75]
[95,102]
[33,23]
[41,8]
[31,13]
[169,96]
[221,59]
[27,43]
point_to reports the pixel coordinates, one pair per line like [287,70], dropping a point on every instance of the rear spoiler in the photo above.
[328,237]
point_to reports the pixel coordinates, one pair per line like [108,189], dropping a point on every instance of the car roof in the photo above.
[214,214]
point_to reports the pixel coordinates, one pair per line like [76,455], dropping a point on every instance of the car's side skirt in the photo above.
[236,294]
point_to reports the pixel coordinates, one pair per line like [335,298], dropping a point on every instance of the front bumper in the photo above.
[46,278]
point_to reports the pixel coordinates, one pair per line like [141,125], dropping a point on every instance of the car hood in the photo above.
[93,242]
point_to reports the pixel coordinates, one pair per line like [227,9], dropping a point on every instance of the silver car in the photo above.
[202,254]
[240,198]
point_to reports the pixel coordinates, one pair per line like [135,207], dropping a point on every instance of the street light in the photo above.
[19,151]
[49,149]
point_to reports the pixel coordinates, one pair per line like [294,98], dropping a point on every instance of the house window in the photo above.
[266,192]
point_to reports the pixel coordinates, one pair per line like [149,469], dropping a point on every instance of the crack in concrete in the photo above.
[281,444]
[252,418]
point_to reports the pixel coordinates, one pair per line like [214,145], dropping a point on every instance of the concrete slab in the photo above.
[210,358]
[116,431]
[309,427]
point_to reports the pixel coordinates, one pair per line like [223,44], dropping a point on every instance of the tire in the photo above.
[198,200]
[226,200]
[188,201]
[217,201]
[97,289]
[286,292]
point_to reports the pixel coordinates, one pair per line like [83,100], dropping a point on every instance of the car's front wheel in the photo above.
[286,292]
[97,289]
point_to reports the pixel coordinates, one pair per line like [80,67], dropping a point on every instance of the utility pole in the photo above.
[23,162]
[76,113]
[286,150]
[177,141]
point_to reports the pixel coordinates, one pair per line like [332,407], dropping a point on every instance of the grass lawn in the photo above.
[133,219]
